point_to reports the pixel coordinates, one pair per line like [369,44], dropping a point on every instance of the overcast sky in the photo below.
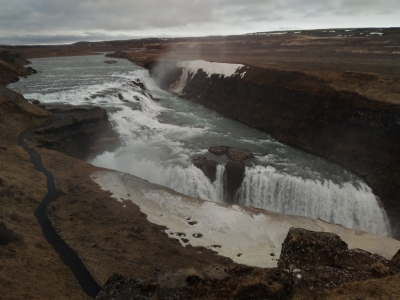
[67,21]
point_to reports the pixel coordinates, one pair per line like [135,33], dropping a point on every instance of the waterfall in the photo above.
[351,205]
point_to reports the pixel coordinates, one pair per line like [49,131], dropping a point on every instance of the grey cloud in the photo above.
[34,39]
[70,18]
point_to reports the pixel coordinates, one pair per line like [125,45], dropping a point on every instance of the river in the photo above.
[159,139]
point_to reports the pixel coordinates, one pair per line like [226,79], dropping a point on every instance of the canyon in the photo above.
[324,115]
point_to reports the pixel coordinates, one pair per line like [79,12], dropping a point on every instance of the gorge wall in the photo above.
[358,133]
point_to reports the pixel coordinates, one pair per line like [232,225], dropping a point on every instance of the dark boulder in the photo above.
[321,260]
[232,153]
[302,248]
[209,167]
[234,172]
[235,168]
[218,150]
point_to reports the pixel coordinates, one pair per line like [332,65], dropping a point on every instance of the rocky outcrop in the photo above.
[310,262]
[208,166]
[234,168]
[233,153]
[78,131]
[12,67]
[306,112]
[322,260]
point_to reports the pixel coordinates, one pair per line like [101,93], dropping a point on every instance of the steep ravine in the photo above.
[303,111]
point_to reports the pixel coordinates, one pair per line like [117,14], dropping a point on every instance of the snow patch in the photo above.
[211,68]
[377,33]
[190,68]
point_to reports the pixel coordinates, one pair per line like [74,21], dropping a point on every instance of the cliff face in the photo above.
[304,111]
[12,67]
[79,131]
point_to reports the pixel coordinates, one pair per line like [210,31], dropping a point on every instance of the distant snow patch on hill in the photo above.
[210,68]
[377,33]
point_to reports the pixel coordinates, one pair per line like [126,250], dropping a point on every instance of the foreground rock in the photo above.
[234,168]
[78,131]
[208,166]
[311,266]
[313,260]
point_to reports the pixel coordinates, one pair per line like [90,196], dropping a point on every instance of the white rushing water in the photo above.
[160,139]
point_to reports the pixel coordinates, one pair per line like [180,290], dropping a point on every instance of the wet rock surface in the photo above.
[208,166]
[234,172]
[78,131]
[311,263]
[234,168]
[233,153]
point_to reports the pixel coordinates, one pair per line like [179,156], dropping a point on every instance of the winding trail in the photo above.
[66,253]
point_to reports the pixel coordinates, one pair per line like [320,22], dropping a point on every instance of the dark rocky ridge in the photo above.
[208,166]
[358,133]
[12,67]
[79,131]
[311,263]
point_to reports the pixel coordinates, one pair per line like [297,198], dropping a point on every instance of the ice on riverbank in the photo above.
[246,235]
